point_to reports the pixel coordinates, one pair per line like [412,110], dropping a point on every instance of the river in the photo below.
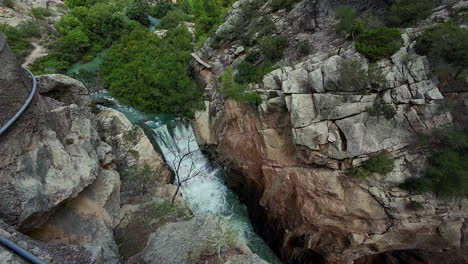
[205,190]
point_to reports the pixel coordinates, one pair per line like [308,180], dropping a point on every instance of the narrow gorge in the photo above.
[249,131]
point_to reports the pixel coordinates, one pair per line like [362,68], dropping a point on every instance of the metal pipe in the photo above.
[24,107]
[19,251]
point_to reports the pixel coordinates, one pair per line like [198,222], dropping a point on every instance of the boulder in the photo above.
[131,146]
[194,240]
[52,253]
[64,89]
[88,219]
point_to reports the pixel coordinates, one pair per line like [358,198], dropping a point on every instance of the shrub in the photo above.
[273,47]
[151,74]
[382,163]
[8,3]
[282,4]
[251,73]
[40,13]
[415,206]
[445,45]
[18,45]
[447,174]
[347,18]
[238,92]
[75,3]
[161,9]
[138,10]
[29,29]
[380,43]
[173,19]
[222,237]
[379,108]
[353,76]
[52,63]
[304,48]
[406,12]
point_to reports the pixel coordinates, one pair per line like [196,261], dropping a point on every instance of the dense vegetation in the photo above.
[151,74]
[17,36]
[381,163]
[379,43]
[406,12]
[372,39]
[446,46]
[239,92]
[447,174]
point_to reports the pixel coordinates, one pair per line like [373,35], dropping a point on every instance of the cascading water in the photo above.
[203,186]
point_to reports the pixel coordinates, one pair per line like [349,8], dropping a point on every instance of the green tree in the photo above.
[238,92]
[151,74]
[138,10]
[447,173]
[347,17]
[379,43]
[406,12]
[446,44]
[273,47]
[173,19]
[75,3]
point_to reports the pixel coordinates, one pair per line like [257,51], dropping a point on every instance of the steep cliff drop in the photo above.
[290,156]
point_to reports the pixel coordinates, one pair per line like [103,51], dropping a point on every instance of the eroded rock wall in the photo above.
[291,155]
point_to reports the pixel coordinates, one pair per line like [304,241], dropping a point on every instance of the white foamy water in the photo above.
[203,188]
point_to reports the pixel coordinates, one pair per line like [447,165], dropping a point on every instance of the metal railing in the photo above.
[8,124]
[19,251]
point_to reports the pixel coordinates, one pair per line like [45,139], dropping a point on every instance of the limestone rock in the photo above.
[190,241]
[48,252]
[64,89]
[130,144]
[88,219]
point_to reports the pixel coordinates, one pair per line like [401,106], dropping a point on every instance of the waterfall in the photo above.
[203,186]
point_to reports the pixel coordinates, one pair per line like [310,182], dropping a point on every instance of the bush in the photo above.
[138,10]
[282,4]
[347,18]
[304,48]
[173,19]
[447,174]
[406,12]
[251,73]
[379,108]
[18,45]
[353,76]
[75,3]
[28,29]
[238,92]
[382,163]
[52,63]
[273,47]
[160,10]
[40,13]
[151,74]
[453,54]
[380,43]
[8,3]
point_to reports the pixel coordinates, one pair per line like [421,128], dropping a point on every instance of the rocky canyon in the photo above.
[326,143]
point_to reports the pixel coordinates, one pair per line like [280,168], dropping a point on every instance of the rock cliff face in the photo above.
[291,154]
[83,188]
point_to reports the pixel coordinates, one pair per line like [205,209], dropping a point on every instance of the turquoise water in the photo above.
[94,64]
[206,192]
[91,66]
